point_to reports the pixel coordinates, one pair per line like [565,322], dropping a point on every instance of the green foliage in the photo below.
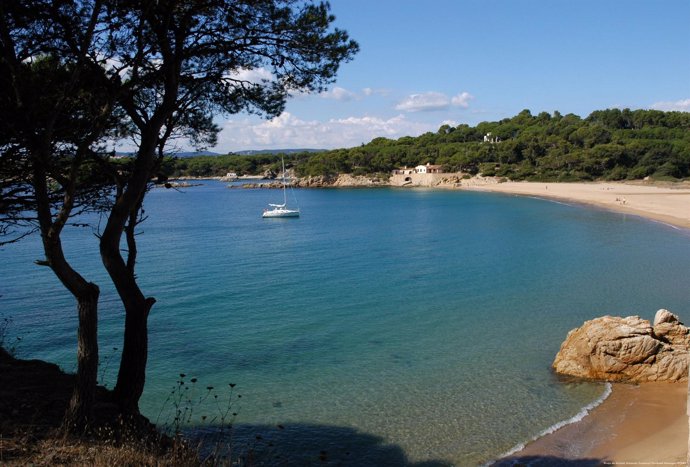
[215,166]
[609,144]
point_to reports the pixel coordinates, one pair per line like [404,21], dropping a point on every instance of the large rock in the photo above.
[348,180]
[669,329]
[627,349]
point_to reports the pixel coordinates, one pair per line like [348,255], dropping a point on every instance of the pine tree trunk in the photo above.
[79,414]
[132,375]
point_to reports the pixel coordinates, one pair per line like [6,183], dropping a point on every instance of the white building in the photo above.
[428,169]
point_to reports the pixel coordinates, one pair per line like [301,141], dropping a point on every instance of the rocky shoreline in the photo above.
[643,419]
[446,180]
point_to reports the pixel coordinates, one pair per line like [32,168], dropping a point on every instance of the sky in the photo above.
[423,64]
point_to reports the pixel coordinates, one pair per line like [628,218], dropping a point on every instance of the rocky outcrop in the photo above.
[324,181]
[435,180]
[627,349]
[348,180]
[341,180]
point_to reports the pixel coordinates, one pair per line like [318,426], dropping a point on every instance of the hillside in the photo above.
[610,144]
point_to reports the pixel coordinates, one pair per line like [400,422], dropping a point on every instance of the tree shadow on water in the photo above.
[300,445]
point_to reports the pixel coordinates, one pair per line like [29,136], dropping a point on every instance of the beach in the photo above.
[642,424]
[664,202]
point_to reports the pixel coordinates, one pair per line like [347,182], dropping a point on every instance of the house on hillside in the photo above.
[428,169]
[423,175]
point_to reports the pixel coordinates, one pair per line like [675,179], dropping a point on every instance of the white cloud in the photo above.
[430,101]
[339,94]
[342,94]
[111,64]
[253,75]
[289,131]
[424,102]
[371,92]
[682,105]
[462,100]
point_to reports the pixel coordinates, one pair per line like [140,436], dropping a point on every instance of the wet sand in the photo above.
[642,424]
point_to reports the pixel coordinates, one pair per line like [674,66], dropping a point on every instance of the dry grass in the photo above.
[55,451]
[33,398]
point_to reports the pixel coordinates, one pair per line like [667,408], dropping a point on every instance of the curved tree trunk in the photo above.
[132,374]
[79,414]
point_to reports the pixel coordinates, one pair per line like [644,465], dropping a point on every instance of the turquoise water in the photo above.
[384,326]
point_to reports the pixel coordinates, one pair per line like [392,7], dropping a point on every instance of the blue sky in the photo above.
[426,63]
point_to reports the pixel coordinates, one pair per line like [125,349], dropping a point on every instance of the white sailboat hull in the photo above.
[281,212]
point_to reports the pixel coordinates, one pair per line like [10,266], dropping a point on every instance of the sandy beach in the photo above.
[641,424]
[667,202]
[637,424]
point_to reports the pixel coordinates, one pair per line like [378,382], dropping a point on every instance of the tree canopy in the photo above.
[150,71]
[610,144]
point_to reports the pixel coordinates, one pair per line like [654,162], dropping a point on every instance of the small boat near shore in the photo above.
[229,177]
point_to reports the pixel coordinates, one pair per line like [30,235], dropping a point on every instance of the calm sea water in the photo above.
[383,327]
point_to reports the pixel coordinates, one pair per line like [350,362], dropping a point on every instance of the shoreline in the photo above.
[669,204]
[520,450]
[665,202]
[643,424]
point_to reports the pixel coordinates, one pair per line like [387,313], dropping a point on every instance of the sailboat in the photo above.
[281,210]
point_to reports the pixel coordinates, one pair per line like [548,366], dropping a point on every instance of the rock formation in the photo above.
[347,180]
[627,349]
[342,180]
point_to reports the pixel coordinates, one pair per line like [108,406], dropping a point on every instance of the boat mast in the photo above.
[284,183]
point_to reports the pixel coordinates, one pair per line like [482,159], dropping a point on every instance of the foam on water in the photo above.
[550,200]
[557,426]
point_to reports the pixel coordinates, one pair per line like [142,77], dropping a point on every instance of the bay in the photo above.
[382,327]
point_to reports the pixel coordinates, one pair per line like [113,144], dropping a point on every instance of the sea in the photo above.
[382,327]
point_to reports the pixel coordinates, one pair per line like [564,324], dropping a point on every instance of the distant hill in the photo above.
[249,152]
[196,153]
[253,152]
[183,154]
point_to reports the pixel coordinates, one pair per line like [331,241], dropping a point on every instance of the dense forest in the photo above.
[609,144]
